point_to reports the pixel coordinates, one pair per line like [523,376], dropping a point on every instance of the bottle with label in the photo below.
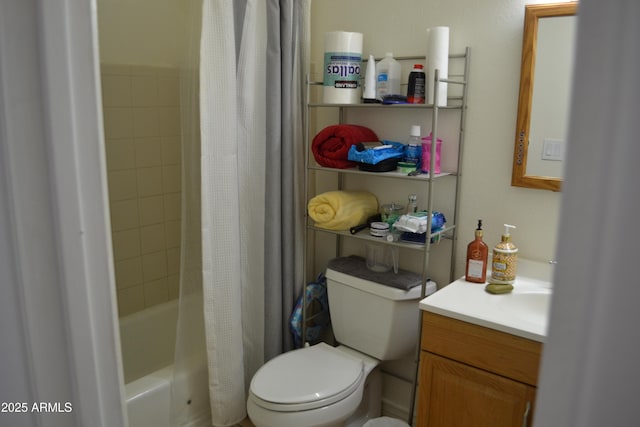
[505,259]
[477,256]
[415,89]
[388,76]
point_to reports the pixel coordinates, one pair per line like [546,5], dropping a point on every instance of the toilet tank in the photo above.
[372,312]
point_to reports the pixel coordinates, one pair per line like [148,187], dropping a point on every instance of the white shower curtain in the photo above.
[242,228]
[232,114]
[244,43]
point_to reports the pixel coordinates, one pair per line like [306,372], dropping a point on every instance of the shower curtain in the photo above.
[247,150]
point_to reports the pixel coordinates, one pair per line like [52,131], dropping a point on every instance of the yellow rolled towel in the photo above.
[341,210]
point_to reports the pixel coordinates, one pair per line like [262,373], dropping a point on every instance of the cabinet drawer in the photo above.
[494,351]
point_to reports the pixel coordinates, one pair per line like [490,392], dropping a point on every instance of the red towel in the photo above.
[331,145]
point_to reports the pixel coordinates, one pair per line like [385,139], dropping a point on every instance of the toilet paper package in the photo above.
[342,65]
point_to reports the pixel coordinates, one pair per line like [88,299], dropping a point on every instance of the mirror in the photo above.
[543,104]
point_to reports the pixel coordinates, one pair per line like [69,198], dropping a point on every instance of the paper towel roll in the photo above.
[342,64]
[437,58]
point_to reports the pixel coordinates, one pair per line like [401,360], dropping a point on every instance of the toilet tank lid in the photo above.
[352,271]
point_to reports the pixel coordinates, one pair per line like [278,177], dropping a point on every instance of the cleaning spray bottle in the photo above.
[505,259]
[477,255]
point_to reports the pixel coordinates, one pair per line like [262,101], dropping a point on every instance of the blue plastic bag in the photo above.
[318,318]
[372,156]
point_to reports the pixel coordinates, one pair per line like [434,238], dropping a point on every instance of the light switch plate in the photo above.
[553,149]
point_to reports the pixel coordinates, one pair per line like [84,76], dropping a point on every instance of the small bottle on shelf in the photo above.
[416,87]
[412,206]
[477,256]
[413,147]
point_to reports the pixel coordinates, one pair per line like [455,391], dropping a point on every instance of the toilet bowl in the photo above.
[319,386]
[325,386]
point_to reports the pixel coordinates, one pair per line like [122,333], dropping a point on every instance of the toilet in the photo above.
[325,386]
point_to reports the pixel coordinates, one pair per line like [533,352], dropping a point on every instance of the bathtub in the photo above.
[148,345]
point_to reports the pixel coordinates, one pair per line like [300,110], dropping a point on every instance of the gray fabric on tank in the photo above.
[355,265]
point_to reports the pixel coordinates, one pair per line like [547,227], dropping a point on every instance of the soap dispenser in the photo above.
[477,255]
[505,259]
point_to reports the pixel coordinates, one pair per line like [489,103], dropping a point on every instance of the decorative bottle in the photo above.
[505,259]
[477,256]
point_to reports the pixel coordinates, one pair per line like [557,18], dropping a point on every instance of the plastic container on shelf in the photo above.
[413,147]
[388,72]
[426,154]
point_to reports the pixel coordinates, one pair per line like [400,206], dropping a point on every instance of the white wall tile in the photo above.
[173,283]
[143,149]
[118,122]
[171,179]
[130,300]
[171,151]
[149,181]
[154,265]
[144,90]
[128,272]
[148,152]
[126,244]
[152,238]
[124,214]
[172,206]
[172,232]
[169,121]
[173,261]
[120,154]
[168,90]
[122,184]
[151,210]
[146,121]
[156,292]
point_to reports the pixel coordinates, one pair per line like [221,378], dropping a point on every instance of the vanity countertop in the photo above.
[523,312]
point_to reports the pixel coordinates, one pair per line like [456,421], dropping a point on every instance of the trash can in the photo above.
[385,422]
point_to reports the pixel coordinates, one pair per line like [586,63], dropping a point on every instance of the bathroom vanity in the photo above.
[480,355]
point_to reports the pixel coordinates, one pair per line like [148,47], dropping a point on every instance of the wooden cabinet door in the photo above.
[453,394]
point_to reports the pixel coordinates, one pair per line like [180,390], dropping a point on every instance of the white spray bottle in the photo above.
[369,95]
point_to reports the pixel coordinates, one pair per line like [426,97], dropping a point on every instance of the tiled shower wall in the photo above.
[142,133]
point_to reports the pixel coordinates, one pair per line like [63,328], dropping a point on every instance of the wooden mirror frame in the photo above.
[533,12]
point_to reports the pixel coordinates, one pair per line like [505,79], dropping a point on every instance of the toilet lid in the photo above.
[298,379]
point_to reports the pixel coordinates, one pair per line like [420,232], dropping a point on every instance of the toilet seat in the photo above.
[306,379]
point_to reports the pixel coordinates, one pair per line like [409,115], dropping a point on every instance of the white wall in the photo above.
[156,26]
[493,30]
